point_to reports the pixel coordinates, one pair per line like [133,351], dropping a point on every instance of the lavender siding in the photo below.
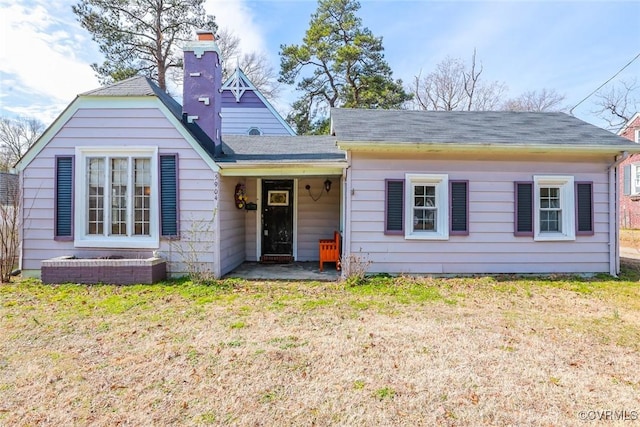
[232,227]
[112,128]
[316,219]
[238,121]
[491,246]
[248,100]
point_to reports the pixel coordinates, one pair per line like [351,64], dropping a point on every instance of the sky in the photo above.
[572,47]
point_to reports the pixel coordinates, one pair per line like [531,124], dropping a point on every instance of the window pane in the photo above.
[550,210]
[119,179]
[550,221]
[142,200]
[95,205]
[424,220]
[425,210]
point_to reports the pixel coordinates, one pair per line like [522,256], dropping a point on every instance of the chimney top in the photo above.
[204,35]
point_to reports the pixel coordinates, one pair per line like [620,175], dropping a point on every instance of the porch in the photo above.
[309,270]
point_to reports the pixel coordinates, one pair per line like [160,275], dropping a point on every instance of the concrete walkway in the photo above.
[290,271]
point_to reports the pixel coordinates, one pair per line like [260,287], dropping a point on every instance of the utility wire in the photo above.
[600,87]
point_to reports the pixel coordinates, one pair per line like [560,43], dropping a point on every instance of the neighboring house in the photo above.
[245,111]
[629,185]
[126,171]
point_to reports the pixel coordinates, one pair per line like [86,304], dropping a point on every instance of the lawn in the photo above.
[387,352]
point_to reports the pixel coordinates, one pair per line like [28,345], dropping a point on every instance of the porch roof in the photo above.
[251,150]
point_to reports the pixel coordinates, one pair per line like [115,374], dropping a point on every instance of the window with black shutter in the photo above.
[64,198]
[394,215]
[584,208]
[169,195]
[459,207]
[524,209]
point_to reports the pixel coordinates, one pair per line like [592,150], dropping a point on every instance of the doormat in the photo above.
[276,259]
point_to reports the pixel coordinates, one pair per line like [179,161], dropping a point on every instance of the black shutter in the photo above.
[169,195]
[459,223]
[626,178]
[394,208]
[524,209]
[584,208]
[64,198]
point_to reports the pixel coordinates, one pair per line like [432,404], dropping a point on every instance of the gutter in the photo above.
[399,146]
[614,215]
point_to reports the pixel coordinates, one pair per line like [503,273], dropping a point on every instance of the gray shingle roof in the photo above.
[144,86]
[468,127]
[283,149]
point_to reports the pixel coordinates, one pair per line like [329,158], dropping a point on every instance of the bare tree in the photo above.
[454,86]
[618,103]
[16,136]
[9,225]
[255,66]
[544,100]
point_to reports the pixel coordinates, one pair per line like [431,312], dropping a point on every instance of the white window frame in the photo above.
[567,205]
[441,183]
[81,236]
[635,185]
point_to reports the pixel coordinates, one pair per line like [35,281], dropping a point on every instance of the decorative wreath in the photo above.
[240,196]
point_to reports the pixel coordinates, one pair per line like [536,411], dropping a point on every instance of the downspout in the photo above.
[346,231]
[614,217]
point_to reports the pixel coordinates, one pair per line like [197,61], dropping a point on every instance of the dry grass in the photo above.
[630,238]
[391,352]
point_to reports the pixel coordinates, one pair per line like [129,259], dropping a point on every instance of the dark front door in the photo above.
[277,220]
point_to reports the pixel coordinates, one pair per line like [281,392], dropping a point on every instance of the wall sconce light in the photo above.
[327,188]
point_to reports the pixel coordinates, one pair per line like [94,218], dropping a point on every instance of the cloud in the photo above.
[236,16]
[44,60]
[34,41]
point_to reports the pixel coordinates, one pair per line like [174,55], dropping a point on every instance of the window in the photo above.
[551,208]
[120,193]
[430,207]
[554,208]
[427,212]
[631,179]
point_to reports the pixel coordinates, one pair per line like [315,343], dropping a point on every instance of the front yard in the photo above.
[391,352]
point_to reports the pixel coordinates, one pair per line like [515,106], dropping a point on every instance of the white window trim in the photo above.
[633,170]
[567,204]
[441,181]
[81,238]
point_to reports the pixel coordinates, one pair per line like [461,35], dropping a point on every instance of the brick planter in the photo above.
[68,269]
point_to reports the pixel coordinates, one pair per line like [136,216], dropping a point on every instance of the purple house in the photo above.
[126,171]
[245,111]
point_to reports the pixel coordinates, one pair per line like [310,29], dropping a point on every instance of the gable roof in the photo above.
[238,83]
[471,128]
[634,121]
[134,89]
[144,86]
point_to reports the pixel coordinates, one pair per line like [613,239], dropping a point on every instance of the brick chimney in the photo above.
[201,96]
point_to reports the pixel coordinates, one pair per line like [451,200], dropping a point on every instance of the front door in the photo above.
[277,220]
